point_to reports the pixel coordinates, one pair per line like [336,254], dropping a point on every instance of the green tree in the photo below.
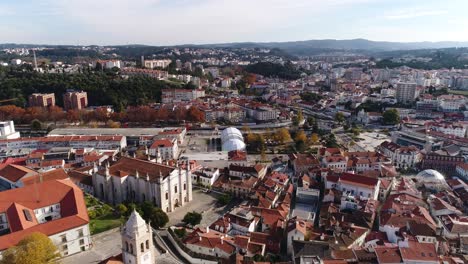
[36,125]
[391,117]
[339,117]
[35,248]
[298,118]
[121,209]
[192,218]
[225,199]
[158,218]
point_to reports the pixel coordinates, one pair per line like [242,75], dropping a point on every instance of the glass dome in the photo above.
[431,176]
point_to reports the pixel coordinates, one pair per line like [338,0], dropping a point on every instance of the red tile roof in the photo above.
[358,179]
[69,196]
[14,173]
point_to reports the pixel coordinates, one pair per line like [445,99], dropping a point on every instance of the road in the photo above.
[105,245]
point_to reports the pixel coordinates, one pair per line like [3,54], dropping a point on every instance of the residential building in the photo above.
[462,170]
[180,95]
[209,243]
[402,157]
[442,163]
[167,149]
[406,92]
[151,64]
[157,74]
[75,100]
[41,100]
[357,185]
[206,176]
[55,208]
[107,64]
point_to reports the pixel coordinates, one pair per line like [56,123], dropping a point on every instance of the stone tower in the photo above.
[137,241]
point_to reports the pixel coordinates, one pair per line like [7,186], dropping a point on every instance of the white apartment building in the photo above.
[205,176]
[7,130]
[454,129]
[451,102]
[167,149]
[357,185]
[402,157]
[151,64]
[406,92]
[181,95]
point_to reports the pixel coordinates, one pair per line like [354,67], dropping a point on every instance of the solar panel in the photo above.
[27,214]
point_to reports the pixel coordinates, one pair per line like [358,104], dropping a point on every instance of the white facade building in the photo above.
[138,181]
[7,130]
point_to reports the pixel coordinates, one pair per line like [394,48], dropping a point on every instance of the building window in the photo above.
[81,242]
[175,189]
[147,244]
[142,247]
[131,248]
[83,248]
[126,246]
[63,238]
[80,233]
[185,186]
[167,196]
[64,247]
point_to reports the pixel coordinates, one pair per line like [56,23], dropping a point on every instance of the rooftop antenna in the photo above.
[35,60]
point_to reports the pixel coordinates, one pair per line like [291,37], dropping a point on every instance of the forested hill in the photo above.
[103,88]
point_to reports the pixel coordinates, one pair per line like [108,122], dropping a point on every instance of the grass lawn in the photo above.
[104,223]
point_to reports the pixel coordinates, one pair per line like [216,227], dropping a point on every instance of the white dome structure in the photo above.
[233,145]
[231,133]
[431,176]
[232,139]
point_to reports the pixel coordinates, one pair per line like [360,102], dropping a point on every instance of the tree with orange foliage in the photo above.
[11,112]
[250,78]
[73,115]
[56,113]
[196,115]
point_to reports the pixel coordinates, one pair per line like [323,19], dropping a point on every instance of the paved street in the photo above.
[105,245]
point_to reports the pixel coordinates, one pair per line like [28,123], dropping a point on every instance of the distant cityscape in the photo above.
[235,153]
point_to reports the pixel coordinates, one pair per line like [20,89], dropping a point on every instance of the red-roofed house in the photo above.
[167,148]
[358,185]
[11,176]
[55,208]
[209,243]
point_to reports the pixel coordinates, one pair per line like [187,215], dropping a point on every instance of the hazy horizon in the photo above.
[184,22]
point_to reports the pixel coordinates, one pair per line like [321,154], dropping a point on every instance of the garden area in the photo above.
[102,216]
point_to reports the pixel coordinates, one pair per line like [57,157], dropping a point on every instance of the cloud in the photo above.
[414,13]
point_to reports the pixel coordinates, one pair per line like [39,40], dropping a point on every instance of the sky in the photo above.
[169,22]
